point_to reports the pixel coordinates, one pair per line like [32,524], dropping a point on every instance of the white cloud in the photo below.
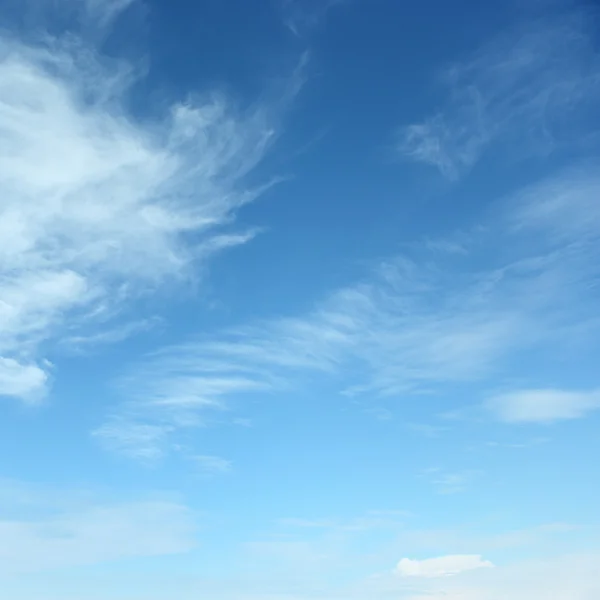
[108,335]
[98,207]
[140,441]
[568,577]
[532,87]
[441,566]
[104,11]
[563,578]
[25,381]
[419,323]
[43,529]
[543,405]
[299,559]
[174,391]
[566,207]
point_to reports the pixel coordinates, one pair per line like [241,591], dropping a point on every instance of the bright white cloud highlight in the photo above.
[543,405]
[442,566]
[96,206]
[25,381]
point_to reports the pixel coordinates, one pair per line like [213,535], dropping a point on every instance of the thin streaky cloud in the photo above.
[143,442]
[531,87]
[99,207]
[412,327]
[420,431]
[107,10]
[302,17]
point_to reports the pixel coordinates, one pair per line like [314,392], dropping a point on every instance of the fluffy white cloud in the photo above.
[543,405]
[441,566]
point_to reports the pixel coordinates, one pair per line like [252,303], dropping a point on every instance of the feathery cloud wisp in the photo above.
[97,206]
[529,87]
[301,17]
[417,324]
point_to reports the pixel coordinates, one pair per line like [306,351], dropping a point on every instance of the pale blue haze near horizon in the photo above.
[299,300]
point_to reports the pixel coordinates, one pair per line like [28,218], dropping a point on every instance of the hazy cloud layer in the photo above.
[42,528]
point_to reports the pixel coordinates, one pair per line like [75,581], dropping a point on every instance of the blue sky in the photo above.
[299,300]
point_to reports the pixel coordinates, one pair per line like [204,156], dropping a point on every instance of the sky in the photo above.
[299,299]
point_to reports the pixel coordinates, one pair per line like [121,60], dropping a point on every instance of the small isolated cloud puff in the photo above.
[543,405]
[442,566]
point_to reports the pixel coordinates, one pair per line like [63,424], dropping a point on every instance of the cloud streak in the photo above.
[301,17]
[99,207]
[419,324]
[534,87]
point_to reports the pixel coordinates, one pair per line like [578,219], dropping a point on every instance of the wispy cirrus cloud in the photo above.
[418,324]
[104,11]
[176,390]
[534,87]
[302,16]
[97,205]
